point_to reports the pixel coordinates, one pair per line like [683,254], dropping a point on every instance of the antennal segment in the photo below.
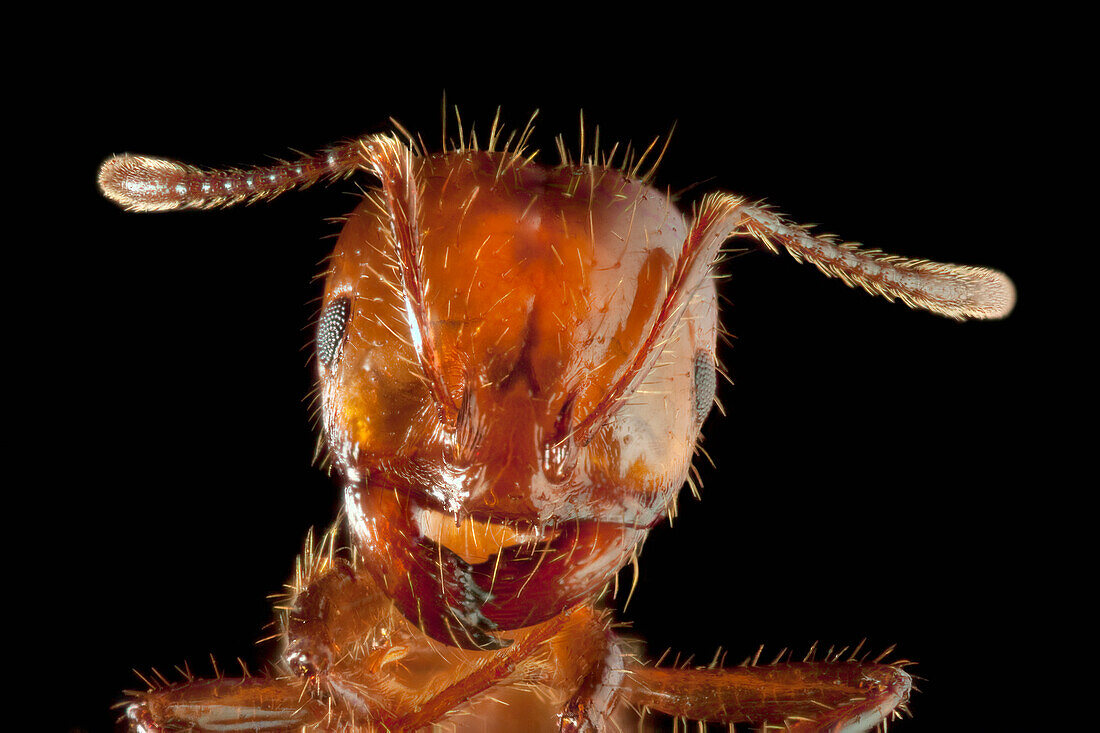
[144,183]
[955,291]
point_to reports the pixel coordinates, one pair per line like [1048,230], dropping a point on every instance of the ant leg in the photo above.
[323,618]
[800,697]
[592,706]
[359,655]
[328,604]
[345,636]
[225,704]
[337,631]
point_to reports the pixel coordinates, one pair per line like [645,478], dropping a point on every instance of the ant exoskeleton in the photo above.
[515,362]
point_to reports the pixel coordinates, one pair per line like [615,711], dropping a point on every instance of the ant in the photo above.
[515,362]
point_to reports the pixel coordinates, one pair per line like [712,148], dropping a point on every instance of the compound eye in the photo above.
[331,330]
[704,384]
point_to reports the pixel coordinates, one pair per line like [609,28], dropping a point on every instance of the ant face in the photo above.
[499,398]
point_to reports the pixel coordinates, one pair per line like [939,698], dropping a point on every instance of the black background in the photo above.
[863,466]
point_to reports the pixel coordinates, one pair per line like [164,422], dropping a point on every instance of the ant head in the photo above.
[511,357]
[509,363]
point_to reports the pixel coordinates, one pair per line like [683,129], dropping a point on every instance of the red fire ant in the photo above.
[515,362]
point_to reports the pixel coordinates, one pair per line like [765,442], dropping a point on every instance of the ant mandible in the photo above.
[515,362]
